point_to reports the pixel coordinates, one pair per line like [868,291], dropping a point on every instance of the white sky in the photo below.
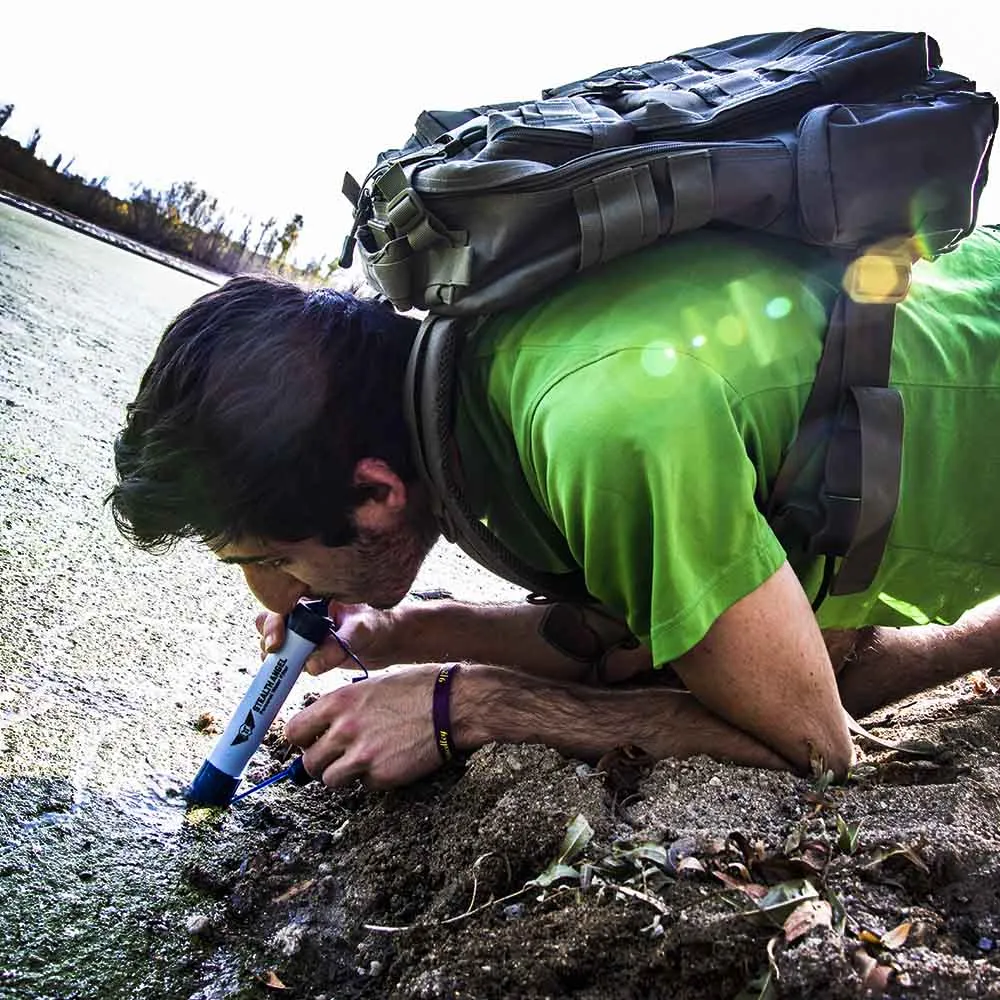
[267,106]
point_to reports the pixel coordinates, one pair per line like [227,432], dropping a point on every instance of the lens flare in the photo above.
[778,308]
[659,358]
[731,330]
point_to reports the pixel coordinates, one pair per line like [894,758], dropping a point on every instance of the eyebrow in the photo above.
[246,560]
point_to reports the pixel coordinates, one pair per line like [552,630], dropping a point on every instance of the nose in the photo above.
[276,590]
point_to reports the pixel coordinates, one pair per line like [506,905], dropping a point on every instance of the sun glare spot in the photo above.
[699,341]
[659,358]
[731,330]
[778,308]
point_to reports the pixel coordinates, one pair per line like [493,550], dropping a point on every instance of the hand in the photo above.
[381,730]
[368,632]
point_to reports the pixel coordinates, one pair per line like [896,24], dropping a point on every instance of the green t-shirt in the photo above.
[626,423]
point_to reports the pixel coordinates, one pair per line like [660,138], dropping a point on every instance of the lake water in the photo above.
[108,656]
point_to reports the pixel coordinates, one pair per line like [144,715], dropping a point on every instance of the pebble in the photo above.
[986,944]
[198,924]
[288,940]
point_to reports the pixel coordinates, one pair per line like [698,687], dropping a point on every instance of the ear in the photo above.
[385,495]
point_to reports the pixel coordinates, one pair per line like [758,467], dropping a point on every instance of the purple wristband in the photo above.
[441,712]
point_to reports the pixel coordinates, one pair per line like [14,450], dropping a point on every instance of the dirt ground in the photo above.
[695,880]
[520,875]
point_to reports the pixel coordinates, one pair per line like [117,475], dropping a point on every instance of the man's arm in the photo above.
[764,667]
[762,693]
[381,730]
[565,642]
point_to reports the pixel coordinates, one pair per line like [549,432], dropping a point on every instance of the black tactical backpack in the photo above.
[854,141]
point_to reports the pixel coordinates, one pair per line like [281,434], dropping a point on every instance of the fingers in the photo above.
[333,752]
[272,631]
[308,725]
[381,730]
[328,656]
[328,748]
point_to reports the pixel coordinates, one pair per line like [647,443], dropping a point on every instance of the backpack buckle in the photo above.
[405,212]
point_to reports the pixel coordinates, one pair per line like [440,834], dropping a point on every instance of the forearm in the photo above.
[491,704]
[885,664]
[556,641]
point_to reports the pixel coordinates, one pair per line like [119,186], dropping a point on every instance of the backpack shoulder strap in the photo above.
[838,487]
[429,405]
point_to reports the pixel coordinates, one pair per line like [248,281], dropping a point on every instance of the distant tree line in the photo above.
[184,220]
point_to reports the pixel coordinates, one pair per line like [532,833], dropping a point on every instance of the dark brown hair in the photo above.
[250,419]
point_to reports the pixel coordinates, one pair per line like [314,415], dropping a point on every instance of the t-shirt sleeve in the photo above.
[640,461]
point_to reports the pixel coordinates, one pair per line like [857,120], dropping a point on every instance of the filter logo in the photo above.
[245,731]
[278,671]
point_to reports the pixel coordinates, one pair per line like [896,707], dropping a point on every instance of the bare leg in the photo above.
[879,665]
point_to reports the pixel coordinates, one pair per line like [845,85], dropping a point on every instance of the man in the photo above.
[630,424]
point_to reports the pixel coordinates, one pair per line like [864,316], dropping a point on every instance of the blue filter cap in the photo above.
[211,787]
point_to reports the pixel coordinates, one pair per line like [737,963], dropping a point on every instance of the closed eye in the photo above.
[278,562]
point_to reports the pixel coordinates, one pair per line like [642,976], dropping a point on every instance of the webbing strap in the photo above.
[558,112]
[618,213]
[739,83]
[865,455]
[429,400]
[693,189]
[717,59]
[606,128]
[795,64]
[452,270]
[666,71]
[880,428]
[852,411]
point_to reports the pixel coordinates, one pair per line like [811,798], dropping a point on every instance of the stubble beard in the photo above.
[388,562]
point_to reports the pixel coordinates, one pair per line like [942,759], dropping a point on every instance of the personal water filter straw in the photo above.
[215,784]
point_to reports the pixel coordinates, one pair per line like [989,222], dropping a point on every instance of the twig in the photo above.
[628,891]
[449,920]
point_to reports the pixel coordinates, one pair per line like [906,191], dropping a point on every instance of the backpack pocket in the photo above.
[867,171]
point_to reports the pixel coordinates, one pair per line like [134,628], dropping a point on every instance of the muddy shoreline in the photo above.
[116,240]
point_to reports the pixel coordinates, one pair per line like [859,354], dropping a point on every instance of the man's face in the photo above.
[377,569]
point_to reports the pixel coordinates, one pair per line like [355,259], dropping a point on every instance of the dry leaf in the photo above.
[752,889]
[690,865]
[877,980]
[874,977]
[271,981]
[983,684]
[884,853]
[812,913]
[897,936]
[815,856]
